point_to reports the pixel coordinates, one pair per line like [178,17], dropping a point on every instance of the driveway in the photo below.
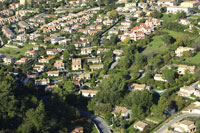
[100,123]
[164,128]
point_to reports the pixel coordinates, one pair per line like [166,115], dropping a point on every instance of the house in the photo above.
[8,33]
[101,50]
[183,68]
[190,4]
[52,52]
[118,52]
[158,77]
[83,76]
[166,2]
[59,64]
[49,88]
[180,50]
[141,126]
[76,64]
[45,60]
[53,73]
[140,87]
[184,21]
[124,112]
[86,51]
[77,130]
[96,67]
[94,60]
[8,60]
[88,93]
[23,25]
[187,91]
[31,53]
[39,68]
[39,82]
[22,61]
[185,126]
[175,9]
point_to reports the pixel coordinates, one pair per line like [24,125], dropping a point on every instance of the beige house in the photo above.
[88,93]
[180,50]
[76,64]
[59,64]
[185,126]
[45,60]
[183,68]
[140,87]
[139,125]
[96,67]
[39,68]
[175,9]
[124,112]
[53,73]
[158,77]
[8,60]
[166,2]
[39,82]
[190,4]
[187,91]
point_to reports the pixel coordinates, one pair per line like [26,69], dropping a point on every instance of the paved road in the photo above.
[100,123]
[114,64]
[176,119]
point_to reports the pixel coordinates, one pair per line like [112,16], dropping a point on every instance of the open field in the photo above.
[15,52]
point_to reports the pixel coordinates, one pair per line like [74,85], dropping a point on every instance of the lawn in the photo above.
[15,52]
[174,33]
[157,45]
[194,60]
[170,17]
[156,119]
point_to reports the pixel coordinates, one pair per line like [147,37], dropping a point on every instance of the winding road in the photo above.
[101,125]
[164,128]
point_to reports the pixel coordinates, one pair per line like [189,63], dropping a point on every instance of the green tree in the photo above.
[170,75]
[113,14]
[180,15]
[34,120]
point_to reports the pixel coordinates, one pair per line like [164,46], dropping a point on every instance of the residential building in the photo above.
[185,126]
[22,61]
[166,2]
[39,82]
[8,33]
[124,112]
[139,87]
[96,67]
[53,73]
[141,126]
[183,68]
[118,52]
[45,60]
[184,21]
[76,64]
[77,130]
[188,91]
[88,93]
[8,60]
[94,60]
[158,77]
[31,53]
[52,51]
[59,64]
[180,50]
[175,9]
[39,68]
[86,51]
[190,4]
